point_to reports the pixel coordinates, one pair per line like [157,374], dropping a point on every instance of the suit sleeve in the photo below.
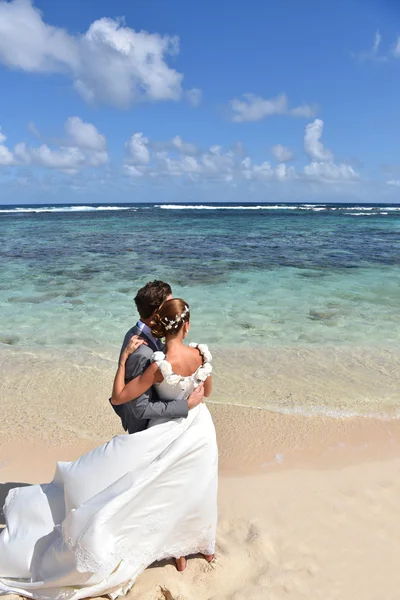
[127,337]
[149,405]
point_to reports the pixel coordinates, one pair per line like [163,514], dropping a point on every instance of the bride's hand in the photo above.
[131,347]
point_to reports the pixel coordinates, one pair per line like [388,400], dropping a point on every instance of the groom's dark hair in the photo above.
[150,297]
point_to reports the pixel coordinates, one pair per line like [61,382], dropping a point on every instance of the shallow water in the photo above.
[265,275]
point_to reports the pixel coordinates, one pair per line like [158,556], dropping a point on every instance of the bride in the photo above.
[135,500]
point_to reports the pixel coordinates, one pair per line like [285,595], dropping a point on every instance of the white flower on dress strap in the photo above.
[203,348]
[172,379]
[158,357]
[165,368]
[204,351]
[203,372]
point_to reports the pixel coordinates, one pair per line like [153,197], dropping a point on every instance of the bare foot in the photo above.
[209,557]
[181,563]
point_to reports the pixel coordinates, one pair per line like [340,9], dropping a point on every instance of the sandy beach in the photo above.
[308,505]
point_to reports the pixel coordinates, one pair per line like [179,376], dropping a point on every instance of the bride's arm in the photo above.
[136,387]
[208,386]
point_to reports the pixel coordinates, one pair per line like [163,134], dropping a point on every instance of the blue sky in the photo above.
[184,100]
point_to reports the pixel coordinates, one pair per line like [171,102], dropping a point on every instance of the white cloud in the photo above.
[110,63]
[396,48]
[97,159]
[84,135]
[373,54]
[393,182]
[215,149]
[180,160]
[266,172]
[177,144]
[64,158]
[178,167]
[322,167]
[377,42]
[312,145]
[183,147]
[283,172]
[27,43]
[211,165]
[84,147]
[33,129]
[6,157]
[238,149]
[137,151]
[254,108]
[330,172]
[194,96]
[282,153]
[22,154]
[262,171]
[216,163]
[133,171]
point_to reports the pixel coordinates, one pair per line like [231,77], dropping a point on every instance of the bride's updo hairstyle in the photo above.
[170,318]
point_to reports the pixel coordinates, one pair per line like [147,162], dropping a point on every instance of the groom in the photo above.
[135,415]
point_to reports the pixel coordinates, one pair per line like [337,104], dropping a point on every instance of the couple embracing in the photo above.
[137,499]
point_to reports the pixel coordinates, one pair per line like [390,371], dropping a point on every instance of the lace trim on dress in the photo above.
[140,557]
[205,545]
[173,379]
[94,562]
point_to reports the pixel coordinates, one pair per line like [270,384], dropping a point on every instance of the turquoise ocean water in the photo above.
[268,275]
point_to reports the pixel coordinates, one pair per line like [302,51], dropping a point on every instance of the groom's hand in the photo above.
[196,397]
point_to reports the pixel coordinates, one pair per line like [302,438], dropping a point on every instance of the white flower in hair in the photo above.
[171,323]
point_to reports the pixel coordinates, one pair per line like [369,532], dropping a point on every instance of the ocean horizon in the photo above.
[49,206]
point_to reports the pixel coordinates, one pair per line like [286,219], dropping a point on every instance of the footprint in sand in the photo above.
[261,567]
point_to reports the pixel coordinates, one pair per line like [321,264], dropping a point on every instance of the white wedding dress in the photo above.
[110,514]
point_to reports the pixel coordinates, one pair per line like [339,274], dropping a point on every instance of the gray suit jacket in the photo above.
[135,415]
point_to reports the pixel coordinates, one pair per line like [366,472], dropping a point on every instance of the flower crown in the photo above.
[171,323]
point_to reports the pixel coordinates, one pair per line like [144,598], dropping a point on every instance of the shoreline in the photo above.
[52,400]
[59,389]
